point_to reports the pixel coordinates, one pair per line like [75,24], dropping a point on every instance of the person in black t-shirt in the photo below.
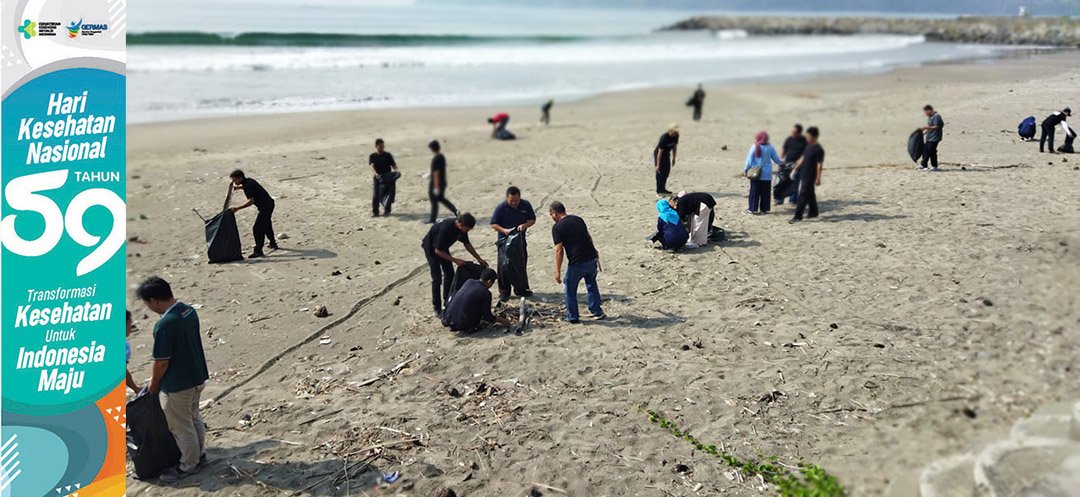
[470,307]
[791,152]
[257,196]
[664,158]
[572,239]
[382,189]
[436,245]
[697,100]
[437,183]
[809,172]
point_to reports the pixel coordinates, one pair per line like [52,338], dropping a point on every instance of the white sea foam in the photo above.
[616,51]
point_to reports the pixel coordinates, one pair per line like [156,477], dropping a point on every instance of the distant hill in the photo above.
[981,7]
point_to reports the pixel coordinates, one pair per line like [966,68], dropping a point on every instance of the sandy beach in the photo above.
[921,313]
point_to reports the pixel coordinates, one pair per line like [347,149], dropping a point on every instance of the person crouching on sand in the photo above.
[670,232]
[470,307]
[257,196]
[758,169]
[498,124]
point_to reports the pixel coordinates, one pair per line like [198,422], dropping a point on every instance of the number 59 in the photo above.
[21,194]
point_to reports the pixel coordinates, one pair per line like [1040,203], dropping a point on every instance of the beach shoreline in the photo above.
[885,295]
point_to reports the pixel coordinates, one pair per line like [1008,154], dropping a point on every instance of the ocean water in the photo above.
[202,59]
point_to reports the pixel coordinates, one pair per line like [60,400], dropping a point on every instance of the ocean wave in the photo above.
[270,39]
[644,50]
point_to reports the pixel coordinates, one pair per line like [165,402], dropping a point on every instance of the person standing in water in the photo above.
[257,196]
[437,182]
[697,100]
[664,158]
[545,112]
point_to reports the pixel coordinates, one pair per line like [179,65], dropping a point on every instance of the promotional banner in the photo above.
[62,236]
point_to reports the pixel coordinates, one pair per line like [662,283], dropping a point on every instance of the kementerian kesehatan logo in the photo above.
[74,28]
[28,29]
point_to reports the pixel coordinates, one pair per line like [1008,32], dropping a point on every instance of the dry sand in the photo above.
[854,341]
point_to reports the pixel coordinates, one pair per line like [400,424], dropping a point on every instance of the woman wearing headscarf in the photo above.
[671,233]
[758,169]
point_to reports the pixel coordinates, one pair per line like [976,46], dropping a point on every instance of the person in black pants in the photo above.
[1048,126]
[436,191]
[436,245]
[664,158]
[381,162]
[809,170]
[545,112]
[697,100]
[933,133]
[514,214]
[791,153]
[257,196]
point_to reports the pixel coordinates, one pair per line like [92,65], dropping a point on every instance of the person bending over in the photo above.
[436,245]
[664,158]
[263,230]
[1048,126]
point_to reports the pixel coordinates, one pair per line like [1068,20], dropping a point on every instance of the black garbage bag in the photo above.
[915,145]
[783,184]
[388,188]
[505,134]
[1067,147]
[223,238]
[150,443]
[465,272]
[511,268]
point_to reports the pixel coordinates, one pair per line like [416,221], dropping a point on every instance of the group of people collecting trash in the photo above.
[461,296]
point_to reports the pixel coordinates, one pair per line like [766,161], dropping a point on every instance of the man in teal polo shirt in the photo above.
[180,372]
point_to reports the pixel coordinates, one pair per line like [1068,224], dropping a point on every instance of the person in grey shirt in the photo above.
[933,132]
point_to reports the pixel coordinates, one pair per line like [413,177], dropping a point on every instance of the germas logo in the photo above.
[28,29]
[74,28]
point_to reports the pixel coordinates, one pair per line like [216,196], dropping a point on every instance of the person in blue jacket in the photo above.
[762,155]
[670,231]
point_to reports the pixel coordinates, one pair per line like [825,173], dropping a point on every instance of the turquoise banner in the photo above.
[62,245]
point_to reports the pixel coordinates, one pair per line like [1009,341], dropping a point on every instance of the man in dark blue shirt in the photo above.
[514,214]
[470,307]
